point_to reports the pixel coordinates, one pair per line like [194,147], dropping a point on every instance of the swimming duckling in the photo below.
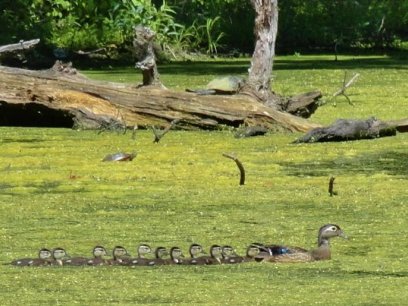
[58,255]
[159,253]
[294,254]
[98,253]
[141,259]
[215,257]
[251,252]
[119,255]
[229,256]
[195,250]
[44,259]
[176,257]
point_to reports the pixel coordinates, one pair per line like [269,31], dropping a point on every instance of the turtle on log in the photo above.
[226,85]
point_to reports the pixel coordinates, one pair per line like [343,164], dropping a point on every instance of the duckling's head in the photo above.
[176,253]
[228,251]
[329,231]
[216,251]
[195,250]
[119,252]
[143,250]
[44,254]
[161,252]
[99,251]
[252,251]
[59,253]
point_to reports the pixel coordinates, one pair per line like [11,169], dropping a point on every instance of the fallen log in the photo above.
[346,129]
[63,94]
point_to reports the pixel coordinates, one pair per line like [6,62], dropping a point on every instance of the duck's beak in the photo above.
[343,235]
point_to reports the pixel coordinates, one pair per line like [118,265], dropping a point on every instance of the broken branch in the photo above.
[159,134]
[342,90]
[240,167]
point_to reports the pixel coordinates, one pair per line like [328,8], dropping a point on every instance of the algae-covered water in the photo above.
[56,192]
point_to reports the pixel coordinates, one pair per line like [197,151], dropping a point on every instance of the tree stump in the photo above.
[144,51]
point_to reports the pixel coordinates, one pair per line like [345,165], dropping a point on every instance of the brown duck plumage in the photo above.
[276,253]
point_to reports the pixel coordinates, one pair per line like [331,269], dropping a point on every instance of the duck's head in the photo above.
[143,250]
[228,251]
[119,252]
[329,231]
[195,250]
[160,252]
[59,254]
[216,251]
[45,254]
[99,251]
[252,251]
[176,254]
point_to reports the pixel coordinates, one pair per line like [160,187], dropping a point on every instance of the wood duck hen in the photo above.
[278,253]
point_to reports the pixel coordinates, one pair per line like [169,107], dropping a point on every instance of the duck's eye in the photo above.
[334,229]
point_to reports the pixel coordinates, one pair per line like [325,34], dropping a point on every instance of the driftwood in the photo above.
[240,167]
[344,129]
[61,96]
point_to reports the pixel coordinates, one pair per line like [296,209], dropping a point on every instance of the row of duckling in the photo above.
[218,254]
[120,256]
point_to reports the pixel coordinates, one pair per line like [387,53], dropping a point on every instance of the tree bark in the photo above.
[260,72]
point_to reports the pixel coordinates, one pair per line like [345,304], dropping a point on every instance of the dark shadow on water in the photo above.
[240,66]
[389,162]
[378,273]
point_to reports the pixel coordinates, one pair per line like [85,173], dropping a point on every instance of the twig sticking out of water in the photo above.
[240,167]
[331,186]
[158,134]
[342,90]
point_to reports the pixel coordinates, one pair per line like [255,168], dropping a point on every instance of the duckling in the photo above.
[159,253]
[119,255]
[98,253]
[278,253]
[44,259]
[229,256]
[76,261]
[58,255]
[141,259]
[215,257]
[176,257]
[252,251]
[195,251]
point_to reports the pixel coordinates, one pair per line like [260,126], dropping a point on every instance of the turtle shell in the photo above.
[120,156]
[227,84]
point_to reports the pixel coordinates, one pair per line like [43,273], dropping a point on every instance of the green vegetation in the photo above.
[204,26]
[55,191]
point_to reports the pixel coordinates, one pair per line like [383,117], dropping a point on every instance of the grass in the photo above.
[55,191]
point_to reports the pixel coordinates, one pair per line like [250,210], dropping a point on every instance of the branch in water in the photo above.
[240,167]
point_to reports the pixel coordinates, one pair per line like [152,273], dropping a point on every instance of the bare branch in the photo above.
[331,186]
[22,45]
[240,167]
[159,134]
[342,90]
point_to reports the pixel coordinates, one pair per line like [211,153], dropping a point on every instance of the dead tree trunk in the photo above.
[61,93]
[144,51]
[266,28]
